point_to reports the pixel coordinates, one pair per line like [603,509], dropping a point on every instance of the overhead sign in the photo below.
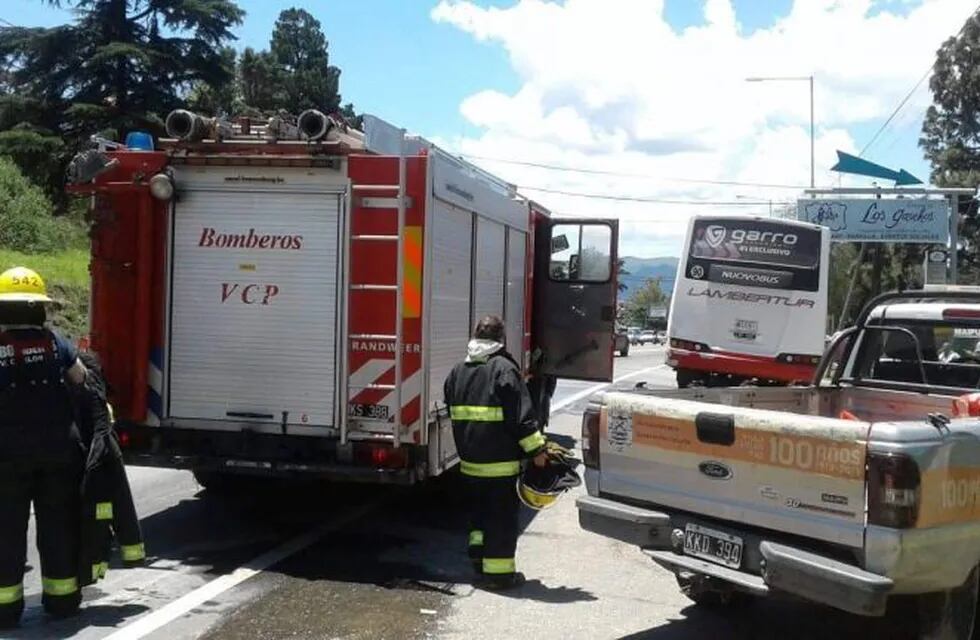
[658,312]
[917,220]
[846,163]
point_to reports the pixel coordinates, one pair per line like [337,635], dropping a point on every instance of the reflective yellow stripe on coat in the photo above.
[532,442]
[490,469]
[470,413]
[103,511]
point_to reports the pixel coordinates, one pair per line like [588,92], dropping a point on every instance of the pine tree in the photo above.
[121,65]
[300,48]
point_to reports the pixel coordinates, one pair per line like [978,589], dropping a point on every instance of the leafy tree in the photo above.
[260,80]
[883,267]
[26,222]
[638,305]
[217,99]
[295,74]
[122,64]
[621,271]
[951,132]
[300,48]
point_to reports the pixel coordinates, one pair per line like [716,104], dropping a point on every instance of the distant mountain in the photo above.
[641,269]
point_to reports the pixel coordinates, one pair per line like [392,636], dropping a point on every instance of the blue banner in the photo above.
[909,220]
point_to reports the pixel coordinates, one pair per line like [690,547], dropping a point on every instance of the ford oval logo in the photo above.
[716,470]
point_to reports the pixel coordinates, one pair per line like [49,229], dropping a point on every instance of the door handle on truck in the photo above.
[249,415]
[715,428]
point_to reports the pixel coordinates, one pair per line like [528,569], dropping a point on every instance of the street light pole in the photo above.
[809,78]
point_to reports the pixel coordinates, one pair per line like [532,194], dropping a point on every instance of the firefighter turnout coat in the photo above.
[493,418]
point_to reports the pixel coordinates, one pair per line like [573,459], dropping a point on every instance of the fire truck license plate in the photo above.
[368,411]
[714,546]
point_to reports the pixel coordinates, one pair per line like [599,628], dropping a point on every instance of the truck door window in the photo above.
[581,252]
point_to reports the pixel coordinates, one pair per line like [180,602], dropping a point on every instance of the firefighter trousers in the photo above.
[494,523]
[55,495]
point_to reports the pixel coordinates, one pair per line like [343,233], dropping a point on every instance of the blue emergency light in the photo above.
[139,141]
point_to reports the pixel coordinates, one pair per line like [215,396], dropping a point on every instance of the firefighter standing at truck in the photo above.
[495,429]
[40,449]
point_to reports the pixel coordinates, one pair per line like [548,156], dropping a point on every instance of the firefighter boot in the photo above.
[503,582]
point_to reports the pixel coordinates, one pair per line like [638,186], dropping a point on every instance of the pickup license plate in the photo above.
[714,546]
[367,411]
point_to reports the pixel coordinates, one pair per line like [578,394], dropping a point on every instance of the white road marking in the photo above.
[599,387]
[183,605]
[186,603]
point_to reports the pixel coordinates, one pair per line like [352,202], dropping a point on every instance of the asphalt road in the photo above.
[351,563]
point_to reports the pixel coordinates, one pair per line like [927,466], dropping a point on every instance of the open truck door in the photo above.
[575,298]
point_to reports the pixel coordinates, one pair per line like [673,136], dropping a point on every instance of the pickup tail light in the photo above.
[893,490]
[590,437]
[956,313]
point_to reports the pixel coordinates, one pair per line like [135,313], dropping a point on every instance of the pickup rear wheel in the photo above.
[950,614]
[705,592]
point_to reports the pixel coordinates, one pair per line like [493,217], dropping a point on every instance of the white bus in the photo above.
[750,301]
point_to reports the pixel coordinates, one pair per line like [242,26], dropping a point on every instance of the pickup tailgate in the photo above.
[777,470]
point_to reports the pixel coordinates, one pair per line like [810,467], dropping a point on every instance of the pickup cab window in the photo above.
[947,354]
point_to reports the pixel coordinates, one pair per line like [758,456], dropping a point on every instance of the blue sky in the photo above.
[443,78]
[399,64]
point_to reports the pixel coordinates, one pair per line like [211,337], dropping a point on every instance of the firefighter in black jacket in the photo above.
[40,450]
[107,511]
[495,429]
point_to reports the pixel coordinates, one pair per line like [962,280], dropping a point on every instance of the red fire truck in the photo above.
[287,299]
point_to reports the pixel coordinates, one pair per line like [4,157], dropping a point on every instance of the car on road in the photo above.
[633,333]
[647,337]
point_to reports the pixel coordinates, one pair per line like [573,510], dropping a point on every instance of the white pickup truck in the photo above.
[860,489]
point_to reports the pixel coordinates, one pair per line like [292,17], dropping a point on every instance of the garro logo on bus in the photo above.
[715,235]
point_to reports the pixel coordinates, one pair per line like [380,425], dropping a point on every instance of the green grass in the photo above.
[67,268]
[67,277]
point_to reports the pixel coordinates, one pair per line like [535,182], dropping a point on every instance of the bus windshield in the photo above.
[755,253]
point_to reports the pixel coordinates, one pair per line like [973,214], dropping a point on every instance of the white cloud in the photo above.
[609,85]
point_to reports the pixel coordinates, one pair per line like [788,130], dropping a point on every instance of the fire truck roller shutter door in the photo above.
[254,289]
[452,238]
[488,281]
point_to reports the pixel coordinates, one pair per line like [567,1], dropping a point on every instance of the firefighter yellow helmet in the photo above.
[540,487]
[535,498]
[21,284]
